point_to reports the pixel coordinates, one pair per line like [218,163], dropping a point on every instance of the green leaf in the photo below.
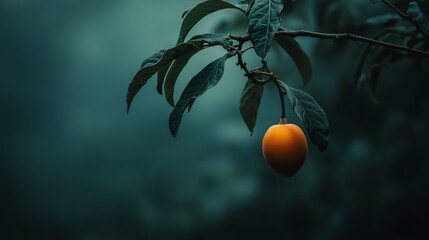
[186,12]
[360,76]
[243,5]
[391,34]
[375,58]
[418,11]
[172,75]
[249,103]
[264,20]
[199,84]
[153,64]
[302,61]
[161,60]
[153,59]
[191,103]
[161,76]
[382,58]
[311,114]
[194,15]
[211,39]
[386,19]
[180,63]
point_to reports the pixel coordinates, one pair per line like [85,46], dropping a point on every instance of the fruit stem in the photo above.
[282,99]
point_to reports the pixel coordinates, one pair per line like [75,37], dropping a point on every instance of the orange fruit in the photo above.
[285,148]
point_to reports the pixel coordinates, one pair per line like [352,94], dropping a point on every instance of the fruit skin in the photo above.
[285,148]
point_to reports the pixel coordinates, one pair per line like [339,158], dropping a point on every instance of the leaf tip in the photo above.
[170,100]
[160,91]
[128,106]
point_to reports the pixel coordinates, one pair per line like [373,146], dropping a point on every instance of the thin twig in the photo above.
[251,74]
[403,15]
[240,61]
[348,36]
[282,99]
[247,49]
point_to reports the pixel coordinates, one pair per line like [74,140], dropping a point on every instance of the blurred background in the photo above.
[74,165]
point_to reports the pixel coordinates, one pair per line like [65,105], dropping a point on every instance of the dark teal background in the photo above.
[73,165]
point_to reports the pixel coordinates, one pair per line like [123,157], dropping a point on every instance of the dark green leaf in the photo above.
[360,75]
[243,5]
[302,61]
[382,58]
[387,19]
[172,75]
[194,15]
[159,60]
[249,103]
[153,64]
[180,63]
[418,11]
[185,12]
[161,76]
[311,114]
[191,103]
[392,34]
[153,59]
[374,59]
[261,74]
[199,84]
[210,39]
[264,20]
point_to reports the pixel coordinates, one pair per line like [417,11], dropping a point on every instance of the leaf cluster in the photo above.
[410,29]
[399,32]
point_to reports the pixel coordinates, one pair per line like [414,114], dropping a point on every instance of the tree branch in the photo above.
[240,61]
[349,36]
[403,15]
